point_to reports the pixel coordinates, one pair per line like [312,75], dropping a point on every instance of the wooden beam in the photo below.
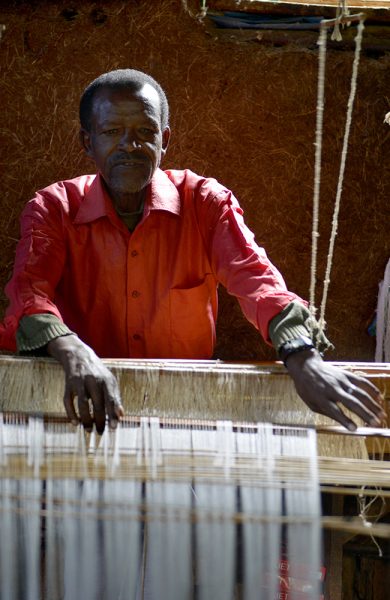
[376,10]
[376,38]
[246,5]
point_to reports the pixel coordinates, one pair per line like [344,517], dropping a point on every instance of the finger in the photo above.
[95,392]
[373,412]
[373,397]
[358,402]
[84,411]
[69,406]
[113,404]
[100,420]
[334,412]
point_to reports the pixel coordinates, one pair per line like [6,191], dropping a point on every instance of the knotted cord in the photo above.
[343,17]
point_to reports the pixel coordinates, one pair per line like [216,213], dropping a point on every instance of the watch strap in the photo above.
[294,346]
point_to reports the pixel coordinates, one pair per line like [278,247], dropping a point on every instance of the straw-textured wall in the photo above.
[241,112]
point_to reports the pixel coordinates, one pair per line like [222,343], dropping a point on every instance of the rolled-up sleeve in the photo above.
[245,270]
[36,331]
[39,263]
[296,321]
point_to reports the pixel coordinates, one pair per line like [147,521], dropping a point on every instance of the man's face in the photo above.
[126,140]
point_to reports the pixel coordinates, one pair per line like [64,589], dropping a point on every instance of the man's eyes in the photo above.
[141,130]
[147,131]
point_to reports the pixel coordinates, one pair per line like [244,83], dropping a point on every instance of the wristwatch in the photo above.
[293,346]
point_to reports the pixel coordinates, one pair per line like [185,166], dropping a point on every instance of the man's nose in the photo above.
[129,140]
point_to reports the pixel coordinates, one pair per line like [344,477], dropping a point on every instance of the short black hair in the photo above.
[130,79]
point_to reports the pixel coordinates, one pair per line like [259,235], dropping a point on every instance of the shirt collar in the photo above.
[96,203]
[162,195]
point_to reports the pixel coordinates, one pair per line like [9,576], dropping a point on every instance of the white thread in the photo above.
[198,16]
[317,166]
[358,43]
[364,509]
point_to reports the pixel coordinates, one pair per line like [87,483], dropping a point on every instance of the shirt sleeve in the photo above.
[39,262]
[36,331]
[294,322]
[244,268]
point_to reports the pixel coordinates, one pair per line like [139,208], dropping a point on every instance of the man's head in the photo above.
[124,129]
[125,79]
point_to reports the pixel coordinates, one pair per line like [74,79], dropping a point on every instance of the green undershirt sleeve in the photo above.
[36,331]
[294,322]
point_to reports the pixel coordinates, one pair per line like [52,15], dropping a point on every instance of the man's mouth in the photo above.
[129,160]
[129,163]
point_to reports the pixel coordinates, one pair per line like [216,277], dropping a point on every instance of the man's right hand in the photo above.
[89,379]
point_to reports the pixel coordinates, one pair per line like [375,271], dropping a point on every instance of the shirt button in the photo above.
[135,294]
[136,337]
[134,253]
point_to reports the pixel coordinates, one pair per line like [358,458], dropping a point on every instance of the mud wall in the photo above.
[243,112]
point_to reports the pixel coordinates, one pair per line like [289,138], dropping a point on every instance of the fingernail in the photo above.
[75,422]
[351,427]
[113,423]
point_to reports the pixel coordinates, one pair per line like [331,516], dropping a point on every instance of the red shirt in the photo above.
[151,293]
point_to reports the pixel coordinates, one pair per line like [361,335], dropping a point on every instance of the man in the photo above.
[126,264]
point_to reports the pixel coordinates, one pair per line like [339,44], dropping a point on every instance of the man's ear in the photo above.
[166,134]
[85,141]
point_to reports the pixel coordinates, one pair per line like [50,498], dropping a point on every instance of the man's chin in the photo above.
[128,185]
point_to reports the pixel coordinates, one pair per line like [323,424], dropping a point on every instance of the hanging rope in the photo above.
[342,13]
[199,16]
[317,165]
[340,19]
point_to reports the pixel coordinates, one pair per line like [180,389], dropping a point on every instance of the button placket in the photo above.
[135,281]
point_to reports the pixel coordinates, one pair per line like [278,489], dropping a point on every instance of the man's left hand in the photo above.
[327,389]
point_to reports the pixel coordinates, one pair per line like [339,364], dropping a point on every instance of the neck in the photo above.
[128,202]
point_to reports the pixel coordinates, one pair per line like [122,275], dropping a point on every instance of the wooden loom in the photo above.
[189,398]
[194,390]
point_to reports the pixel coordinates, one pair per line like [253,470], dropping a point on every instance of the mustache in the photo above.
[129,156]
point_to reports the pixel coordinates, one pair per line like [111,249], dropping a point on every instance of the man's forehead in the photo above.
[144,99]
